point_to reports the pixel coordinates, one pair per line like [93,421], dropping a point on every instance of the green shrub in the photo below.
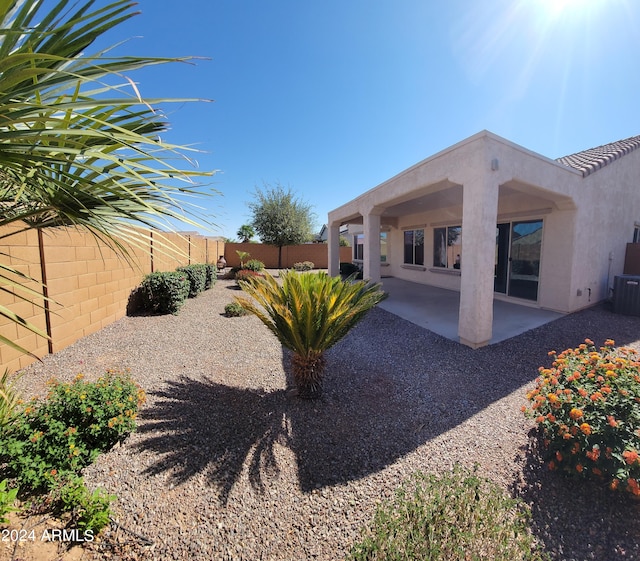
[453,516]
[212,275]
[8,497]
[9,397]
[89,512]
[197,275]
[304,266]
[50,441]
[164,293]
[254,265]
[234,310]
[348,269]
[587,406]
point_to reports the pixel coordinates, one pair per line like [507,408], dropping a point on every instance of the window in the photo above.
[414,247]
[383,247]
[636,234]
[447,247]
[358,247]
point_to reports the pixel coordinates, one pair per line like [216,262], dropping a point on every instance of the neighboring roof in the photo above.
[593,159]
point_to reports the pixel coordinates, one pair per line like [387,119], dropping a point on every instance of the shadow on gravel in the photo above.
[578,519]
[384,397]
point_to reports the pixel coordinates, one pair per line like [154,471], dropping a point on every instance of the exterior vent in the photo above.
[626,295]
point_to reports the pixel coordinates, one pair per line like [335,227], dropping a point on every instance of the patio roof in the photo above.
[436,309]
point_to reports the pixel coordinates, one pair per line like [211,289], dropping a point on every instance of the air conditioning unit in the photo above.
[626,295]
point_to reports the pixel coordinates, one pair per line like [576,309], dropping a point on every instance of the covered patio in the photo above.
[436,309]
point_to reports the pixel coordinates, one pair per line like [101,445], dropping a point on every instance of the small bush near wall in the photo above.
[244,274]
[348,269]
[304,266]
[164,293]
[197,275]
[254,265]
[212,275]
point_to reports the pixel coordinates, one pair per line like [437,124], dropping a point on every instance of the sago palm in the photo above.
[309,313]
[79,146]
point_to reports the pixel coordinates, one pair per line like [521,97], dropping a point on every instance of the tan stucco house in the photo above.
[491,219]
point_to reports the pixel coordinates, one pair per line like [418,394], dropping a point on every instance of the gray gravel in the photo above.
[227,465]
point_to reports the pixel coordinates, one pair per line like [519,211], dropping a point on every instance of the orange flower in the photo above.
[585,428]
[575,413]
[551,418]
[609,343]
[558,456]
[588,341]
[551,465]
[540,419]
[630,456]
[614,484]
[611,420]
[633,486]
[53,471]
[597,472]
[593,454]
[579,468]
[553,398]
[583,392]
[596,396]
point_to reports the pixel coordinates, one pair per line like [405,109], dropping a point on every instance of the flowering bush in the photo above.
[304,266]
[587,406]
[244,274]
[48,441]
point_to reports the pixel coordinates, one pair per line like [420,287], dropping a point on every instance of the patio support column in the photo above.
[479,219]
[371,246]
[333,243]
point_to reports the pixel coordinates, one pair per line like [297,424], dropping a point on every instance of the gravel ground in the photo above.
[227,465]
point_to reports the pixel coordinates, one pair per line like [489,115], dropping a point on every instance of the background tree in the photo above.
[281,218]
[245,233]
[79,146]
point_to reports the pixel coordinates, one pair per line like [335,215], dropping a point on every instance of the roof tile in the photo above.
[593,159]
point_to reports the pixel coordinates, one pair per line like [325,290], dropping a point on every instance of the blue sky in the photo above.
[333,97]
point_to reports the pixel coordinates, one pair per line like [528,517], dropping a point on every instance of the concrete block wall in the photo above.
[88,283]
[22,254]
[317,253]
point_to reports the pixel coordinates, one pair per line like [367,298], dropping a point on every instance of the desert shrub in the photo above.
[234,310]
[89,512]
[164,293]
[244,274]
[348,269]
[211,275]
[197,275]
[304,266]
[254,265]
[448,517]
[587,407]
[49,441]
[8,497]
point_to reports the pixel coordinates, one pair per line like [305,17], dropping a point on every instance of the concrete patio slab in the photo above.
[436,309]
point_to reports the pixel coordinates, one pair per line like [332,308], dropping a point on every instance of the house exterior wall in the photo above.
[587,221]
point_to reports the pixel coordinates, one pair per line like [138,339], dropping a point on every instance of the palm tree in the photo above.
[309,313]
[245,233]
[78,145]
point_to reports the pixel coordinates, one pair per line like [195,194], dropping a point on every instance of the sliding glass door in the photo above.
[517,266]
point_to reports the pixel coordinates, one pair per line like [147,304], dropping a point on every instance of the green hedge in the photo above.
[197,275]
[164,293]
[212,275]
